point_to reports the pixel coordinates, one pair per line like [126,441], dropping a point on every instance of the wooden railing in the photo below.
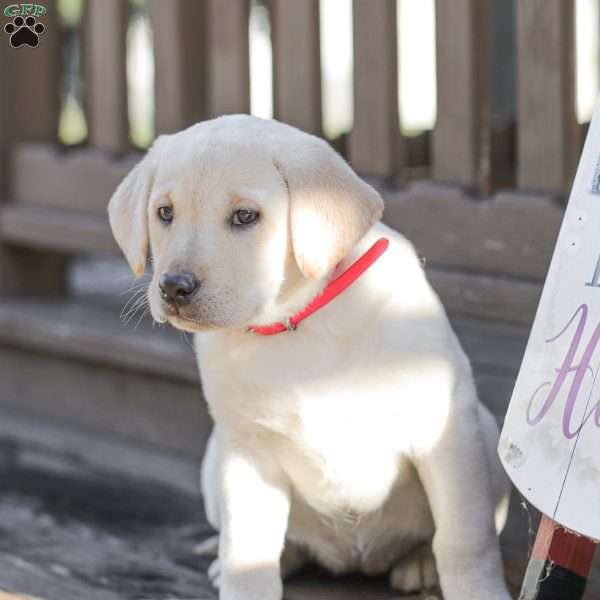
[56,201]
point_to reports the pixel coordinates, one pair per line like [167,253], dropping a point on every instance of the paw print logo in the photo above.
[24,32]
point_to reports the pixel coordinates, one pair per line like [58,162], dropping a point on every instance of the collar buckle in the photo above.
[289,325]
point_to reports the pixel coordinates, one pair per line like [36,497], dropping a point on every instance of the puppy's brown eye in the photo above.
[244,217]
[165,214]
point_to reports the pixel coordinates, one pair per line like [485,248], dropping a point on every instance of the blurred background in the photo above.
[467,115]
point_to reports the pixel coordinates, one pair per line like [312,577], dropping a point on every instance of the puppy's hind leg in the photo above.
[501,486]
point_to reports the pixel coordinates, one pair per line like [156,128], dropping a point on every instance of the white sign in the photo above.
[550,444]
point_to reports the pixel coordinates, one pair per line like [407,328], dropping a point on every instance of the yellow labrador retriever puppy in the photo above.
[356,440]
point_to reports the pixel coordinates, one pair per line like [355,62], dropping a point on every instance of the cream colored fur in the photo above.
[358,440]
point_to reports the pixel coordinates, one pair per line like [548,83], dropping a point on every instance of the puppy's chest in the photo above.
[339,466]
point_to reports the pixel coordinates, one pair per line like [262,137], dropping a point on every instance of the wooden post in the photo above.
[180,65]
[375,138]
[29,108]
[559,564]
[461,138]
[547,134]
[229,62]
[296,61]
[105,74]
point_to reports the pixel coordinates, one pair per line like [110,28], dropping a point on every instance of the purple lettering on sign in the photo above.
[564,371]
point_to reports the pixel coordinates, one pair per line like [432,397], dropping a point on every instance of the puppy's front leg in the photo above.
[456,477]
[256,501]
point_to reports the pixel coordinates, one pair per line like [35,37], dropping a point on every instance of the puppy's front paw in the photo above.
[415,572]
[214,573]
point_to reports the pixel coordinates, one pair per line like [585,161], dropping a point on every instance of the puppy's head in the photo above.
[235,211]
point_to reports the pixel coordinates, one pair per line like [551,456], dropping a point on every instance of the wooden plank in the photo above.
[105,73]
[82,180]
[504,356]
[229,62]
[179,58]
[461,138]
[30,105]
[510,234]
[78,330]
[547,134]
[296,62]
[485,297]
[55,229]
[80,345]
[106,399]
[494,391]
[97,452]
[29,109]
[375,139]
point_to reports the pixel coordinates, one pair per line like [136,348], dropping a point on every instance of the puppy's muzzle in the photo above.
[178,288]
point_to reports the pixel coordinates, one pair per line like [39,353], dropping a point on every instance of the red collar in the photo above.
[333,288]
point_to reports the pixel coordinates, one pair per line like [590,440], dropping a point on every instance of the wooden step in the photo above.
[52,228]
[75,361]
[81,178]
[76,329]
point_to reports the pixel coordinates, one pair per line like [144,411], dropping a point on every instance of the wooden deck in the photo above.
[89,511]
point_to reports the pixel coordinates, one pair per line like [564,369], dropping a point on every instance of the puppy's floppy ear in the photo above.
[127,211]
[331,208]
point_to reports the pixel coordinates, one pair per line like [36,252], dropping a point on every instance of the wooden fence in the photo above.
[485,219]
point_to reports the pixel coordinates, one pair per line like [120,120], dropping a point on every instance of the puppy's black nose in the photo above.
[177,288]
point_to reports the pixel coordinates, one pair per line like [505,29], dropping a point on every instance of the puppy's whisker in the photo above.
[189,342]
[131,307]
[134,311]
[139,286]
[140,295]
[131,302]
[135,288]
[136,306]
[130,319]
[135,294]
[145,313]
